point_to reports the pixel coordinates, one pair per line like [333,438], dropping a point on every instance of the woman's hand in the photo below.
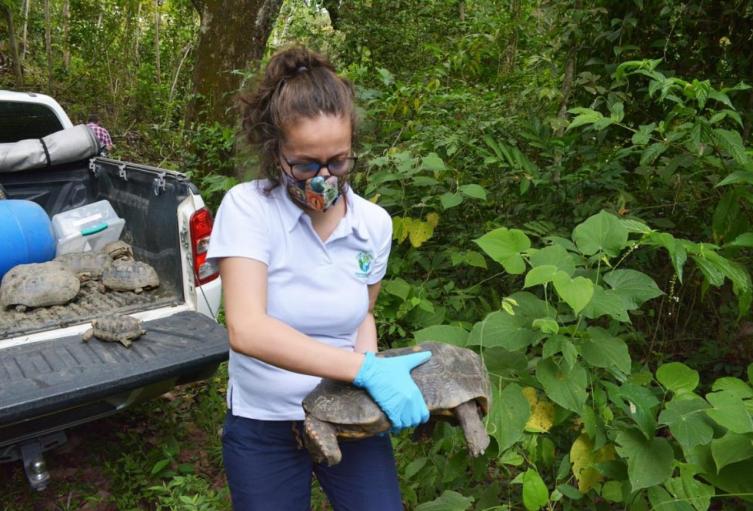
[389,383]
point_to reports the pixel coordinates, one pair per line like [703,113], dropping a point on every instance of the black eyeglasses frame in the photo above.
[307,175]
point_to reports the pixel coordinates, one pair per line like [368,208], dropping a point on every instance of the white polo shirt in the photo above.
[318,288]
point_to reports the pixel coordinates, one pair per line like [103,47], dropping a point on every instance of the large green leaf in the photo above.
[397,287]
[604,350]
[731,142]
[433,162]
[733,385]
[530,306]
[634,286]
[442,333]
[729,411]
[535,493]
[509,415]
[561,344]
[502,362]
[649,461]
[540,275]
[661,500]
[576,292]
[678,377]
[606,302]
[688,422]
[566,388]
[554,255]
[584,116]
[687,488]
[602,232]
[502,329]
[505,246]
[733,479]
[741,176]
[474,191]
[743,240]
[731,448]
[448,501]
[450,199]
[637,402]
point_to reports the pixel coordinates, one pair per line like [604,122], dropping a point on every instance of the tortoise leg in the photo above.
[475,433]
[125,342]
[425,431]
[321,441]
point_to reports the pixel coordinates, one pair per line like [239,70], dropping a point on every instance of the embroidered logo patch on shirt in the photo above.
[364,264]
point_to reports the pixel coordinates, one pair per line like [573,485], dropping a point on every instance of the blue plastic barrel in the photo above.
[26,234]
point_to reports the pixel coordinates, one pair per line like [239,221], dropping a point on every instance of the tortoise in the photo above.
[119,250]
[126,275]
[454,384]
[86,265]
[115,328]
[38,285]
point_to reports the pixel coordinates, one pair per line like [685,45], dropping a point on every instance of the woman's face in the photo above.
[321,139]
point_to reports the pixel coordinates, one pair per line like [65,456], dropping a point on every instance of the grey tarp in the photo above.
[63,146]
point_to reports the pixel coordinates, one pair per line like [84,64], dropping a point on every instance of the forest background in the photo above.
[570,186]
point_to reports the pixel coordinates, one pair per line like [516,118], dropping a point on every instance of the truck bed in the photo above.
[88,305]
[151,228]
[65,380]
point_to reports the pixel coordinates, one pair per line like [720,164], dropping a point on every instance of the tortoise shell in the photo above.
[115,328]
[38,285]
[87,265]
[451,377]
[124,275]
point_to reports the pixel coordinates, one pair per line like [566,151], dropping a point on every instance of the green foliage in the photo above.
[609,414]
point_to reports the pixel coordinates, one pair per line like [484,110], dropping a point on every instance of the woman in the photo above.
[301,258]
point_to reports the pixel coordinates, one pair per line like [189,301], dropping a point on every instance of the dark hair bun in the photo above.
[294,61]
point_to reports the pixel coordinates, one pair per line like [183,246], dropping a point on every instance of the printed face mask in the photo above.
[318,193]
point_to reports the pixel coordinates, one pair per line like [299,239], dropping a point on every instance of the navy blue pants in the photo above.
[268,469]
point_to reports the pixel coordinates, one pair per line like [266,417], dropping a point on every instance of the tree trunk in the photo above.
[333,8]
[24,36]
[66,31]
[157,17]
[14,53]
[227,42]
[512,47]
[48,43]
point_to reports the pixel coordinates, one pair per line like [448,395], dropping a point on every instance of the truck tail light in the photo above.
[201,229]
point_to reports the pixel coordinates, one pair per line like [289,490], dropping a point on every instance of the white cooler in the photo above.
[89,227]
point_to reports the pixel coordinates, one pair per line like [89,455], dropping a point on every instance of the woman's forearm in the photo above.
[276,343]
[366,336]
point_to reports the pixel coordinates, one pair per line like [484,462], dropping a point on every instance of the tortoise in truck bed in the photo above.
[38,285]
[454,383]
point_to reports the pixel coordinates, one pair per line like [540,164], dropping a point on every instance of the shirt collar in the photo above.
[291,213]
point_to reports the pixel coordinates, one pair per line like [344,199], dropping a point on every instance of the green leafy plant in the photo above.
[564,377]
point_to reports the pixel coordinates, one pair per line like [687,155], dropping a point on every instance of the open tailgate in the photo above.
[46,377]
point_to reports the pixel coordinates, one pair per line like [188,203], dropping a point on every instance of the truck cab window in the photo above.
[19,121]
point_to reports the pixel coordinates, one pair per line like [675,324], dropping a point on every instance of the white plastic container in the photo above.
[89,227]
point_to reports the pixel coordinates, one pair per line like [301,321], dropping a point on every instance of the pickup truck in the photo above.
[49,379]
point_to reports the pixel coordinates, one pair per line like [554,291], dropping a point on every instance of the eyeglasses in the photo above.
[308,169]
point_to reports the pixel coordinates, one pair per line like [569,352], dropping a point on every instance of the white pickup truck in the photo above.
[49,379]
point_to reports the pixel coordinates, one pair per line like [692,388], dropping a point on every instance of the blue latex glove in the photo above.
[389,383]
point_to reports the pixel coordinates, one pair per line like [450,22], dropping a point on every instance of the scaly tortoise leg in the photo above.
[475,432]
[320,439]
